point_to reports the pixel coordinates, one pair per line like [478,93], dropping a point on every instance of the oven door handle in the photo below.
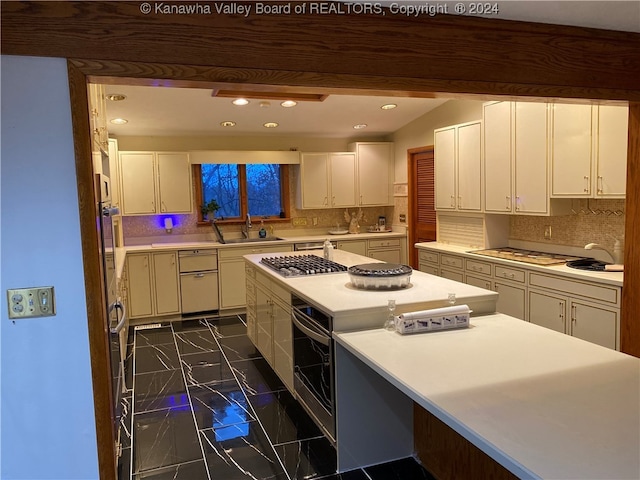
[318,337]
[117,305]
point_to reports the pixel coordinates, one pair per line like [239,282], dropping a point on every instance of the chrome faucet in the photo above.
[617,255]
[247,226]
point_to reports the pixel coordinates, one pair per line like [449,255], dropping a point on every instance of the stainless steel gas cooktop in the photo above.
[526,256]
[296,265]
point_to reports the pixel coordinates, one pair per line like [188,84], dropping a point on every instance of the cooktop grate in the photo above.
[298,265]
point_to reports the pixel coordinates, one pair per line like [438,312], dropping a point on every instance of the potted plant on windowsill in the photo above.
[209,210]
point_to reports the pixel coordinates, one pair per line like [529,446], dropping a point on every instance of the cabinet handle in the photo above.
[600,189]
[163,207]
[459,201]
[360,199]
[453,201]
[333,200]
[586,183]
[517,204]
[198,275]
[574,312]
[326,201]
[508,206]
[561,310]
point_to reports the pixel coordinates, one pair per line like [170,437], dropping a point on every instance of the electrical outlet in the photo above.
[315,221]
[403,217]
[299,221]
[31,302]
[547,232]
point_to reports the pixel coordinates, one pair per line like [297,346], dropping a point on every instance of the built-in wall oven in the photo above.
[313,352]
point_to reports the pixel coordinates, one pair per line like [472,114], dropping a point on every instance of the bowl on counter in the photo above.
[380,276]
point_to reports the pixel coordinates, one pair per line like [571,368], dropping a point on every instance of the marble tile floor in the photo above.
[204,404]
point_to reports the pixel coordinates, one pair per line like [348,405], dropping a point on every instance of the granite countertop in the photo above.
[541,403]
[610,278]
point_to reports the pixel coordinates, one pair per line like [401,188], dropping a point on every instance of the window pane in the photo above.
[220,183]
[263,190]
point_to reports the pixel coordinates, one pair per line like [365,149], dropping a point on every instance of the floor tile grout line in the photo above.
[264,431]
[193,414]
[133,404]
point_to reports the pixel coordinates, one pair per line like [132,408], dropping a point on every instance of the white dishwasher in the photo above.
[198,280]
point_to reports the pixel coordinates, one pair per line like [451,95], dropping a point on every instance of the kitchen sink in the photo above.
[587,264]
[252,240]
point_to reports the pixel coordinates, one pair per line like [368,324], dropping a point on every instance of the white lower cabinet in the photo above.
[584,320]
[387,250]
[511,299]
[269,323]
[354,246]
[153,284]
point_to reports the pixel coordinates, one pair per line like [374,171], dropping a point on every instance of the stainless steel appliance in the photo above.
[526,256]
[298,265]
[198,280]
[313,374]
[115,312]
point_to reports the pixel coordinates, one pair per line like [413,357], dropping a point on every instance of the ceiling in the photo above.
[163,111]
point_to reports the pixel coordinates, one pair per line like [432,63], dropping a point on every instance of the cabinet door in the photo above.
[548,310]
[251,308]
[343,179]
[264,323]
[469,167]
[452,275]
[174,183]
[477,281]
[496,123]
[114,173]
[530,158]
[511,300]
[358,246]
[390,256]
[314,176]
[232,283]
[571,150]
[445,168]
[611,158]
[165,274]
[137,172]
[594,324]
[199,291]
[140,294]
[283,342]
[375,170]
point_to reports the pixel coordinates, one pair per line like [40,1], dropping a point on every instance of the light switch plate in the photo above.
[31,302]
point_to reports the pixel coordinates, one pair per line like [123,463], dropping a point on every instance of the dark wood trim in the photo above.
[97,321]
[629,324]
[449,456]
[444,53]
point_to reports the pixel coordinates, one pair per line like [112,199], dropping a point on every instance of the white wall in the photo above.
[48,426]
[419,133]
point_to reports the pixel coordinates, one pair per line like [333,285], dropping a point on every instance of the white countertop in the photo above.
[335,295]
[610,278]
[541,403]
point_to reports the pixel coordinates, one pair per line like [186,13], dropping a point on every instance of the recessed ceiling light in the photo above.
[240,101]
[360,126]
[228,124]
[388,106]
[115,97]
[119,121]
[270,125]
[288,103]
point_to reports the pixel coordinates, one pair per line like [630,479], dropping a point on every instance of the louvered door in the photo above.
[423,204]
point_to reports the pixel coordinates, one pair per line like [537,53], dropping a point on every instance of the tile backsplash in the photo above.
[597,221]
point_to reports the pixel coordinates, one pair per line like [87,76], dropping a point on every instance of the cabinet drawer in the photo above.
[593,292]
[449,261]
[198,261]
[240,252]
[430,269]
[379,243]
[510,274]
[478,282]
[281,292]
[478,267]
[452,275]
[429,257]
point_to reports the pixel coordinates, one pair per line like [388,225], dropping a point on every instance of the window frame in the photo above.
[242,181]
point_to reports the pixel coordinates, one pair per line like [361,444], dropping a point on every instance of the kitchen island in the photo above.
[538,403]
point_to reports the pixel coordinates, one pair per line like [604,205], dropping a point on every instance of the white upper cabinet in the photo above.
[515,157]
[589,151]
[611,150]
[571,150]
[327,180]
[375,165]
[458,167]
[155,182]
